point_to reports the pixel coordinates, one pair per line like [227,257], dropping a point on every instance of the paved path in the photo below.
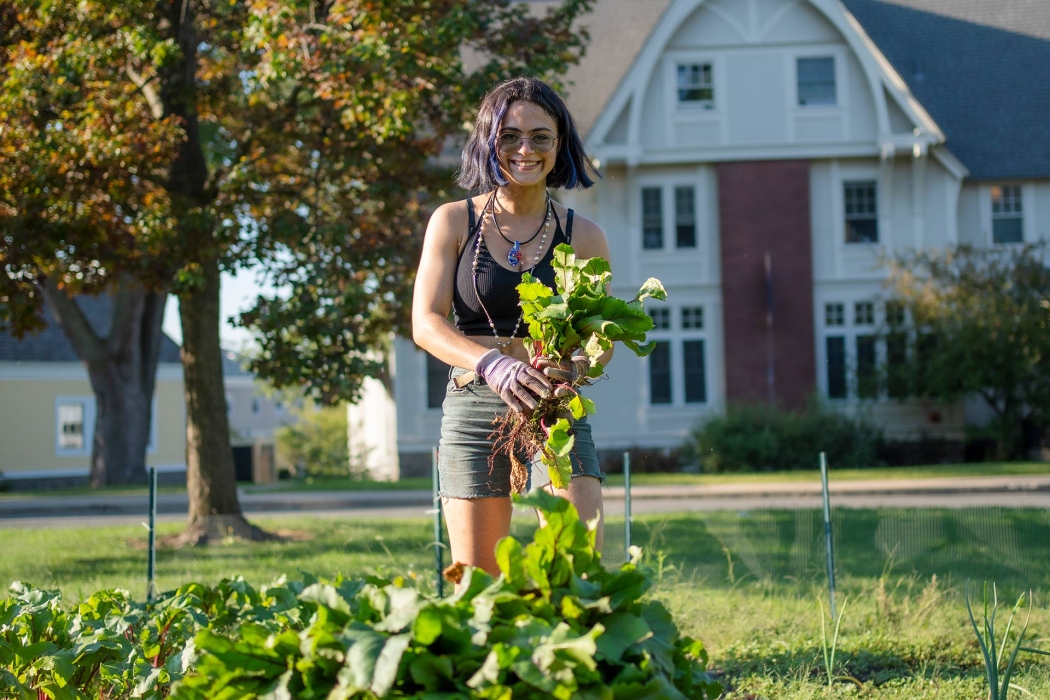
[113,509]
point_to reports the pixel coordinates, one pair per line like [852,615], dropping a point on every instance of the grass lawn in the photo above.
[745,583]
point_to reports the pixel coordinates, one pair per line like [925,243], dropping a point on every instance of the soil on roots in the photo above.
[513,436]
[215,529]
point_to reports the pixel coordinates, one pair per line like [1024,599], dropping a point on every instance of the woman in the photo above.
[524,141]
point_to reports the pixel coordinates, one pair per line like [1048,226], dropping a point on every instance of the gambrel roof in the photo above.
[52,345]
[979,68]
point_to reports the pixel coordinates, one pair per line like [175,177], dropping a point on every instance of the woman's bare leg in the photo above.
[475,525]
[585,492]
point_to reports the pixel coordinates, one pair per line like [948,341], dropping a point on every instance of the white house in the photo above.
[759,156]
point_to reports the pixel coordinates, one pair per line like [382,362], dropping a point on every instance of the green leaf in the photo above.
[387,663]
[652,287]
[622,631]
[509,561]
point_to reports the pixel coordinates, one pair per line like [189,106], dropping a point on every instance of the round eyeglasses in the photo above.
[509,142]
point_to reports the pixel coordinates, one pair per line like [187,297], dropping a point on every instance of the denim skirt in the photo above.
[466,446]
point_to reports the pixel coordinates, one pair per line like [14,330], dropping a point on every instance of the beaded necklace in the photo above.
[535,261]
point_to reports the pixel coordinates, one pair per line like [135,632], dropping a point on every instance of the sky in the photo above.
[237,293]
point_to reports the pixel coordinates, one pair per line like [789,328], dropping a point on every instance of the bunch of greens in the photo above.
[579,317]
[555,624]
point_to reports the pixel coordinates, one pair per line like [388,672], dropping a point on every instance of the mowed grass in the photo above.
[746,583]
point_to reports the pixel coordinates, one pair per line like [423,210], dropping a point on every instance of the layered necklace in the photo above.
[513,257]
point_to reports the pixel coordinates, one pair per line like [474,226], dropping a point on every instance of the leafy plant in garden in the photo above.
[555,624]
[999,684]
[578,317]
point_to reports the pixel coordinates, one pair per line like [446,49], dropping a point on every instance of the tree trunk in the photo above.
[122,367]
[214,511]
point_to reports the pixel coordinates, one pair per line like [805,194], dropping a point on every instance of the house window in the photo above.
[437,381]
[255,406]
[1007,214]
[695,383]
[229,404]
[867,369]
[685,217]
[71,436]
[660,373]
[864,313]
[692,317]
[835,347]
[834,315]
[816,81]
[652,219]
[896,356]
[894,314]
[661,319]
[862,225]
[696,85]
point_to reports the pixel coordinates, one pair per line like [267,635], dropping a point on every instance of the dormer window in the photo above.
[696,88]
[1007,214]
[816,81]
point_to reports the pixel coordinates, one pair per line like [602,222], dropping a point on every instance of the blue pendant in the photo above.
[514,256]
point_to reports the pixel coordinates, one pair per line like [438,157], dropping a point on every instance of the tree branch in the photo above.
[156,106]
[72,321]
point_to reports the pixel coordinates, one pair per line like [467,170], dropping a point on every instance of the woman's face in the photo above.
[526,166]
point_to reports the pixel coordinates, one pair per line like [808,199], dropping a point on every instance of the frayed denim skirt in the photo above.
[466,446]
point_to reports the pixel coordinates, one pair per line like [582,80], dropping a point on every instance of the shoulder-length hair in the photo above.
[479,168]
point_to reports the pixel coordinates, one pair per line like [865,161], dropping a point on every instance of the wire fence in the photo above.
[727,548]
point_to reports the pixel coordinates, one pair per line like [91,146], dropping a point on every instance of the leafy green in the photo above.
[555,624]
[579,316]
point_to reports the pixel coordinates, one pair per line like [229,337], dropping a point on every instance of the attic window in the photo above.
[696,87]
[816,81]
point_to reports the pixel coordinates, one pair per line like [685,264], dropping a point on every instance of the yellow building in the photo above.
[47,408]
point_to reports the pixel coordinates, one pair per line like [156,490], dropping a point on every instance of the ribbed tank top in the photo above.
[496,284]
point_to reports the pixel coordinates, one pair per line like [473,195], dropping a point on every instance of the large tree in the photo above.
[305,137]
[979,325]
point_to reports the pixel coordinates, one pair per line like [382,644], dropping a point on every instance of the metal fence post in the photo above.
[627,503]
[439,559]
[827,532]
[151,566]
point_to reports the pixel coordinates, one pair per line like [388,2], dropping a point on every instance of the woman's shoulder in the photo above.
[586,233]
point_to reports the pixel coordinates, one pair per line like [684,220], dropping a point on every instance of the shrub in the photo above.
[762,438]
[316,444]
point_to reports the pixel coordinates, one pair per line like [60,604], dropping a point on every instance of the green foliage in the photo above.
[997,667]
[579,315]
[554,624]
[761,438]
[980,324]
[316,443]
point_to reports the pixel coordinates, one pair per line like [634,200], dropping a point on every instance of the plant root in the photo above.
[515,435]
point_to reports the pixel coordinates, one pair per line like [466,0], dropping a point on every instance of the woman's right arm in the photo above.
[435,283]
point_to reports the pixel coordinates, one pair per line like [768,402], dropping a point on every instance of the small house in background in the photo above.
[759,157]
[254,415]
[47,407]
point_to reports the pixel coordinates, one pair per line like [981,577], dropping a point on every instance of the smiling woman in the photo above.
[475,252]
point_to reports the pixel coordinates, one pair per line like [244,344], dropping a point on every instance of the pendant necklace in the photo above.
[514,256]
[480,241]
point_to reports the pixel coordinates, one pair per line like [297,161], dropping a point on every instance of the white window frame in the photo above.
[88,403]
[850,330]
[688,112]
[667,183]
[1028,222]
[839,55]
[676,336]
[706,105]
[835,76]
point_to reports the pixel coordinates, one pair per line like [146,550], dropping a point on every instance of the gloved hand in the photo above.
[517,383]
[569,371]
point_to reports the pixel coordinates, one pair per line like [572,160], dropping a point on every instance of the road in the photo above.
[101,510]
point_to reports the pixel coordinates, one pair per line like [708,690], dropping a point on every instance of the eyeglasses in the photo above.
[510,141]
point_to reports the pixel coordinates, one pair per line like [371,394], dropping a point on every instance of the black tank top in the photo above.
[496,284]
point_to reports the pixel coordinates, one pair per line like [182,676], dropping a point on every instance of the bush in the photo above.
[762,438]
[316,444]
[555,624]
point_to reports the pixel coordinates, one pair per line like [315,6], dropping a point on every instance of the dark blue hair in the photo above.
[479,166]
